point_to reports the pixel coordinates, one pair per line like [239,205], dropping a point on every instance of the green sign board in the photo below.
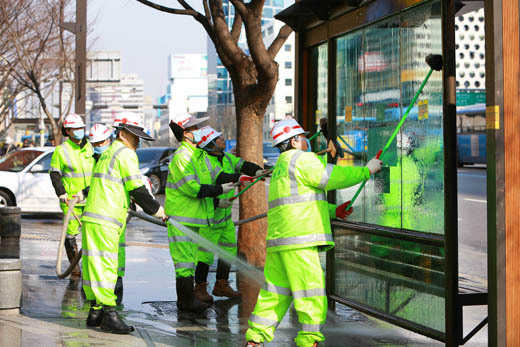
[466,97]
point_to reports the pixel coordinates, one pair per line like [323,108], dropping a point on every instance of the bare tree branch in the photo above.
[206,10]
[240,7]
[253,25]
[187,11]
[223,38]
[280,39]
[168,9]
[237,27]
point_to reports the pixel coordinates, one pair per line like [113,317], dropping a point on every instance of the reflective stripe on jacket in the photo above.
[115,175]
[298,213]
[74,164]
[230,164]
[187,172]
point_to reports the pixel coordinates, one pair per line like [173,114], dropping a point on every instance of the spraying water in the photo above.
[250,271]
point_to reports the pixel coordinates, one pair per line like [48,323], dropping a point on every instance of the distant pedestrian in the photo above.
[50,141]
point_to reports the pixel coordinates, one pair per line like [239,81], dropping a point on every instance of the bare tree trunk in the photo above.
[251,236]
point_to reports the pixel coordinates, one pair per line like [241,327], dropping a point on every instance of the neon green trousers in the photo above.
[100,245]
[73,228]
[225,237]
[292,275]
[183,251]
[121,254]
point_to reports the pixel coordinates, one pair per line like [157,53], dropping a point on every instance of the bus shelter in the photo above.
[359,65]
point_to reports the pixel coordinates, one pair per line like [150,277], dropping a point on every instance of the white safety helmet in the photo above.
[186,120]
[286,129]
[208,134]
[73,121]
[131,118]
[133,123]
[99,133]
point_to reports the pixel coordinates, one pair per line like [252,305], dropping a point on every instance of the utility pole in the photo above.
[80,74]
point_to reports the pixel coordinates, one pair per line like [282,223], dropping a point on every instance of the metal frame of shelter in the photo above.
[320,21]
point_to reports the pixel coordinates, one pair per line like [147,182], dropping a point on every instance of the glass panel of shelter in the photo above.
[319,88]
[379,69]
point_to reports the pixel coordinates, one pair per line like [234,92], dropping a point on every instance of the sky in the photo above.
[144,36]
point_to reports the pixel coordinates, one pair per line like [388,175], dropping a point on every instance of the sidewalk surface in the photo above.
[54,311]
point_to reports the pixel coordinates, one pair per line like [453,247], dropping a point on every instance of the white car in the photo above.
[25,181]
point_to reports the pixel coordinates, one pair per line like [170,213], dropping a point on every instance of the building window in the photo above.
[288,64]
[221,98]
[288,82]
[288,48]
[288,99]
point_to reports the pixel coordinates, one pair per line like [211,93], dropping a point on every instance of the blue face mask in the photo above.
[197,136]
[78,134]
[100,149]
[308,145]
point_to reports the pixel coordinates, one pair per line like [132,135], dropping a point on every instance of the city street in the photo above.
[54,310]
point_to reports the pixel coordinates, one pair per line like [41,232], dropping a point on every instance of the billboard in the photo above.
[187,66]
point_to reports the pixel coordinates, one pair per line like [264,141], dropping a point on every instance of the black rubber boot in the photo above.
[71,248]
[186,299]
[112,323]
[118,290]
[95,315]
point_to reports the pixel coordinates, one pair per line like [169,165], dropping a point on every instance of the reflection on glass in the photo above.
[319,85]
[379,69]
[396,277]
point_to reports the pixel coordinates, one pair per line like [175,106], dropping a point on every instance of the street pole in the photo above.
[80,29]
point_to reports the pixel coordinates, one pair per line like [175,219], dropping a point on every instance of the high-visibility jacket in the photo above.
[74,164]
[230,165]
[115,175]
[298,214]
[187,172]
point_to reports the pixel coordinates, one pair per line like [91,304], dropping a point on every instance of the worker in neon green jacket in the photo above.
[100,136]
[116,178]
[298,228]
[191,198]
[223,233]
[71,170]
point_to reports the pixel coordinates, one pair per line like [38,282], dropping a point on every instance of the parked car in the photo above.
[153,163]
[25,181]
[271,155]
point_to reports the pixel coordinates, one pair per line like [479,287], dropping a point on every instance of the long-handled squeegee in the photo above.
[434,61]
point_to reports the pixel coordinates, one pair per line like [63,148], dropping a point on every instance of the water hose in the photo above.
[163,224]
[435,63]
[258,178]
[75,261]
[252,272]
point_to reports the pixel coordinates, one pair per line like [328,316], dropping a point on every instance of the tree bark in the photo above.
[251,236]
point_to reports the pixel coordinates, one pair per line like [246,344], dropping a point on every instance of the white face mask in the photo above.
[197,135]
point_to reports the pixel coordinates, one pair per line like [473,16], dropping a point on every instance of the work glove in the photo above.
[245,179]
[224,203]
[64,198]
[374,165]
[79,195]
[227,187]
[160,214]
[265,172]
[341,210]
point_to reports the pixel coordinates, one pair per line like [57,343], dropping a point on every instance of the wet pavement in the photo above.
[54,311]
